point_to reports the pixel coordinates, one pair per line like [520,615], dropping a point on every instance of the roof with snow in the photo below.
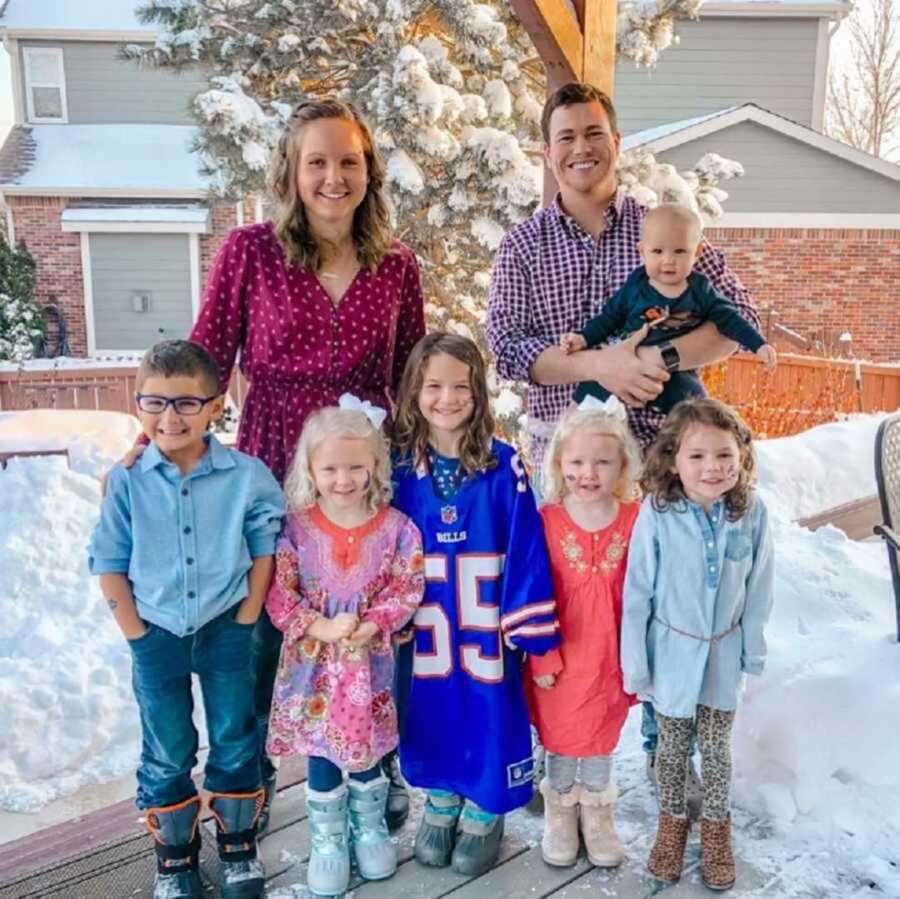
[101,160]
[832,9]
[673,134]
[73,15]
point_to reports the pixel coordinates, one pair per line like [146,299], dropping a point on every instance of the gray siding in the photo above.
[720,63]
[102,89]
[782,174]
[123,263]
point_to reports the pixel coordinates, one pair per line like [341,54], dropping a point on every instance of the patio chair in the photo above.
[887,473]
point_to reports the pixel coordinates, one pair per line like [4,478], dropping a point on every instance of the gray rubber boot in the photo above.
[236,816]
[329,856]
[398,795]
[478,844]
[370,842]
[175,829]
[436,835]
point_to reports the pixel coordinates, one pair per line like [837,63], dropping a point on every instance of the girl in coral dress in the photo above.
[349,573]
[576,696]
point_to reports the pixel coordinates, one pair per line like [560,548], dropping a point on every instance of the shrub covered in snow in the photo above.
[21,321]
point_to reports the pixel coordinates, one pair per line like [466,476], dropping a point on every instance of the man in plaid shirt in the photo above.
[557,269]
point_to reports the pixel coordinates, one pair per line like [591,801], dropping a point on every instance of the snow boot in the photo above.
[329,856]
[598,827]
[370,842]
[398,796]
[269,786]
[693,791]
[176,831]
[716,857]
[236,816]
[667,856]
[436,835]
[559,845]
[478,844]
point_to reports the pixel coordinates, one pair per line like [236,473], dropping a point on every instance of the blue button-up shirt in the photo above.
[187,542]
[698,592]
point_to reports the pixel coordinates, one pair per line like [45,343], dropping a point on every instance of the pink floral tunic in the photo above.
[299,351]
[330,700]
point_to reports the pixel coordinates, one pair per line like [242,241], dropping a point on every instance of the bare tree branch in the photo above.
[864,94]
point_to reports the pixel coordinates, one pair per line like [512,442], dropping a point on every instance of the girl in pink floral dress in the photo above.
[349,573]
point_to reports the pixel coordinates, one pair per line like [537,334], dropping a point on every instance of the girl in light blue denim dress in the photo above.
[698,592]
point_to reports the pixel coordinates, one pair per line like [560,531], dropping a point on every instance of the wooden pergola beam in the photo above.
[556,35]
[573,47]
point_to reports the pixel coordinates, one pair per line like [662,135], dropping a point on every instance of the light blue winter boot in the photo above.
[329,858]
[375,854]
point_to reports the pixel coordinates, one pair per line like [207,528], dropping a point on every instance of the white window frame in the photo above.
[27,53]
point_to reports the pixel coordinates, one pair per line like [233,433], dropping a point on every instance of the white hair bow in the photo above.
[375,414]
[611,406]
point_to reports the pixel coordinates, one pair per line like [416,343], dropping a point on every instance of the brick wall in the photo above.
[58,254]
[823,282]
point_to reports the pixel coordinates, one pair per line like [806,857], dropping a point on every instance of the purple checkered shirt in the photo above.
[550,277]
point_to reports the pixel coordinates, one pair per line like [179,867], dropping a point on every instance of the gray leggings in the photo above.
[563,771]
[672,753]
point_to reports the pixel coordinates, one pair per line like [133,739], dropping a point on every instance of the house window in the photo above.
[45,84]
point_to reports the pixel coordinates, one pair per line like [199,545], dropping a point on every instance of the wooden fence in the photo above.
[804,391]
[107,389]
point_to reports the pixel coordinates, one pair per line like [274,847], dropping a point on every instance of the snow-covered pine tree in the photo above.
[21,321]
[454,90]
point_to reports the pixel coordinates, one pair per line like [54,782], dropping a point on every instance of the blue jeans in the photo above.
[161,677]
[265,650]
[324,776]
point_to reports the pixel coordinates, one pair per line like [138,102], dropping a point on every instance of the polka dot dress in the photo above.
[446,473]
[298,350]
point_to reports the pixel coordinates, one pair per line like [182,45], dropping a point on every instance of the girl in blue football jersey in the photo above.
[465,734]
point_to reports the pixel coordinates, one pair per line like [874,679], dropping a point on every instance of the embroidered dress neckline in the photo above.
[346,542]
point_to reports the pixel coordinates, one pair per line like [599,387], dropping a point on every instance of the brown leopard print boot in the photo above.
[667,855]
[716,857]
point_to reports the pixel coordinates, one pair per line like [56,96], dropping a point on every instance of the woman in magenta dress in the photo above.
[321,301]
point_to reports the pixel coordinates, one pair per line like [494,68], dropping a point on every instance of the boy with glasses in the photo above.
[184,550]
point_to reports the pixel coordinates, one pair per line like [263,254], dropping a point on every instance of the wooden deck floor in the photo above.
[113,863]
[108,855]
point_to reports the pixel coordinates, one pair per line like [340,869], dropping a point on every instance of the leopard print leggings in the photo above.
[673,749]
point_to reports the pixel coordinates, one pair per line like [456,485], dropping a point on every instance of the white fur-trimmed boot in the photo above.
[559,845]
[604,848]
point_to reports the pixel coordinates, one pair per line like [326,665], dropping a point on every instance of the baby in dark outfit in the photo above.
[665,294]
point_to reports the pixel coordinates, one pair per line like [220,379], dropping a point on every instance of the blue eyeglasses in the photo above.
[183,405]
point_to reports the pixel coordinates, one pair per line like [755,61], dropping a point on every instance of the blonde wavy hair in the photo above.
[659,477]
[372,232]
[299,486]
[595,422]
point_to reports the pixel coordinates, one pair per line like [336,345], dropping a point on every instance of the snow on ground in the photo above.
[817,779]
[94,440]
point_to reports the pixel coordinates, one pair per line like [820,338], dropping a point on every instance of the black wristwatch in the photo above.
[670,358]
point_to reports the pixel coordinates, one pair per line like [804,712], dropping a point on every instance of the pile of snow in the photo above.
[820,468]
[818,734]
[68,714]
[816,738]
[94,440]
